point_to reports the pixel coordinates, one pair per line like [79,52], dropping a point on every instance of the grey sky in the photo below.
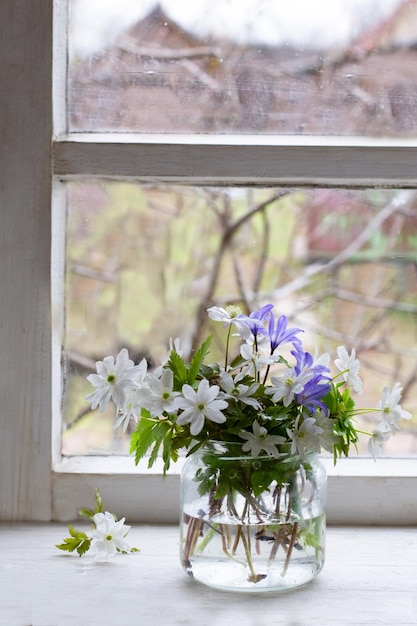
[96,23]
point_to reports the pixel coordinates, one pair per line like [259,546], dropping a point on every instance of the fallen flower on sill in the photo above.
[107,538]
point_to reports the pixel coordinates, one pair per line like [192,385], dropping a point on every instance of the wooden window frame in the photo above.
[37,157]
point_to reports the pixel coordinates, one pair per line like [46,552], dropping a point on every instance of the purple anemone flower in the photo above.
[279,333]
[314,390]
[306,362]
[256,320]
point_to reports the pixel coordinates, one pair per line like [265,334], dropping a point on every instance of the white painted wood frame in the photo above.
[35,160]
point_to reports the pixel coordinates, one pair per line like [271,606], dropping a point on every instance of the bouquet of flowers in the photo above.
[257,421]
[259,401]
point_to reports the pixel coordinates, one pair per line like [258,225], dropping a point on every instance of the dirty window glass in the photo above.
[306,67]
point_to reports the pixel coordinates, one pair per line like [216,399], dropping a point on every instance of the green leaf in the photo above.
[162,433]
[130,551]
[195,447]
[141,440]
[99,502]
[169,451]
[179,369]
[150,434]
[78,541]
[69,545]
[84,546]
[237,362]
[154,454]
[197,360]
[72,531]
[86,513]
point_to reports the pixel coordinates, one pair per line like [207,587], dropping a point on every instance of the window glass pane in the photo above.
[144,262]
[314,67]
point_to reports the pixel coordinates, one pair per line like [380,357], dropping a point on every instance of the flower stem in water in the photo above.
[290,548]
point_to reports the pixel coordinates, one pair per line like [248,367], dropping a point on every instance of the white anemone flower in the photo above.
[230,315]
[227,316]
[379,437]
[260,440]
[349,366]
[130,411]
[305,436]
[255,361]
[113,379]
[199,405]
[327,438]
[136,399]
[162,396]
[236,390]
[174,345]
[390,408]
[320,360]
[285,387]
[108,537]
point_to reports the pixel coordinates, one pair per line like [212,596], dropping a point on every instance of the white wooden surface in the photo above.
[370,578]
[25,250]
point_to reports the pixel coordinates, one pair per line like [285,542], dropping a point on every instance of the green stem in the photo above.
[193,532]
[226,547]
[266,374]
[339,374]
[289,507]
[246,546]
[277,498]
[363,411]
[226,358]
[275,547]
[290,548]
[363,432]
[207,538]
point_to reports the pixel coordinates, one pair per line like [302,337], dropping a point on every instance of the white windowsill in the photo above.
[360,491]
[361,466]
[369,579]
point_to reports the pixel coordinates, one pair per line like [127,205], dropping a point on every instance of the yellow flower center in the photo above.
[234,311]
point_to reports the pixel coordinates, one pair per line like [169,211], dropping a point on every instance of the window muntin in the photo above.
[322,68]
[339,262]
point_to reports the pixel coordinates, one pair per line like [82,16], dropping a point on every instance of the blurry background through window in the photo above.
[332,67]
[144,263]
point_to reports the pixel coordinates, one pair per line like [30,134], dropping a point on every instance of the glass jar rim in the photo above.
[309,457]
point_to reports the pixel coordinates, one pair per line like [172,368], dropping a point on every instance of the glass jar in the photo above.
[252,524]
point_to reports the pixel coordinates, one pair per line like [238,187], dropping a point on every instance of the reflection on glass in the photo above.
[145,262]
[328,67]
